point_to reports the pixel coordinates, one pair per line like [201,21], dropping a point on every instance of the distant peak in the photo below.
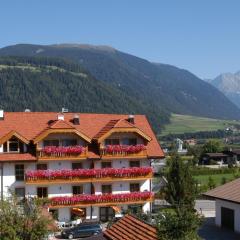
[84,46]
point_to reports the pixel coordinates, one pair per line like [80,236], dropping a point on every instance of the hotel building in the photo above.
[89,165]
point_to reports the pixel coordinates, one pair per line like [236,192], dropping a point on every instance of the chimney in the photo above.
[1,114]
[60,116]
[76,120]
[131,119]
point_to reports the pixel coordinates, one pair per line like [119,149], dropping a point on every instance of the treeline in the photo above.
[41,88]
[198,135]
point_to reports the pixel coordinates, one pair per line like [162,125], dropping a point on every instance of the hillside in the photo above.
[156,87]
[186,124]
[48,84]
[229,84]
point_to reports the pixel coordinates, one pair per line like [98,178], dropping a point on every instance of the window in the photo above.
[51,143]
[76,166]
[134,163]
[106,189]
[134,187]
[129,141]
[69,142]
[42,166]
[112,142]
[20,192]
[106,164]
[77,190]
[42,192]
[12,145]
[19,172]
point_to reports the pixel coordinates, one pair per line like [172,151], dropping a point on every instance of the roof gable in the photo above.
[13,134]
[119,125]
[60,124]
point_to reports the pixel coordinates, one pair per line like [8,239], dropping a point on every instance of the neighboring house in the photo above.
[191,142]
[234,154]
[227,199]
[91,166]
[219,158]
[129,227]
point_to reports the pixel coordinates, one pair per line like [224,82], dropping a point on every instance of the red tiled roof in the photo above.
[31,124]
[5,157]
[60,124]
[131,228]
[229,191]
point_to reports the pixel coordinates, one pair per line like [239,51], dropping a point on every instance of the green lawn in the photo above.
[186,123]
[203,179]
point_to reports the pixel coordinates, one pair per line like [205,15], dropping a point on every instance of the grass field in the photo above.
[186,123]
[217,178]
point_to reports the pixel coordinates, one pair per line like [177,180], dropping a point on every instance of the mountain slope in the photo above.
[48,84]
[159,86]
[229,84]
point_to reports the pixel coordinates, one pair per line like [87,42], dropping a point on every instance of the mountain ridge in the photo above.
[229,84]
[162,87]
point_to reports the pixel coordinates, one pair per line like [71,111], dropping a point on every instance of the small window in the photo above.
[19,172]
[106,189]
[112,142]
[42,166]
[51,143]
[134,187]
[77,190]
[106,164]
[13,146]
[69,142]
[20,192]
[134,163]
[42,192]
[76,166]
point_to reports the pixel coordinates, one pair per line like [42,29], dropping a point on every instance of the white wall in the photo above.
[233,206]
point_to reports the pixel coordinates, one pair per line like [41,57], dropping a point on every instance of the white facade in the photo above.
[65,189]
[229,205]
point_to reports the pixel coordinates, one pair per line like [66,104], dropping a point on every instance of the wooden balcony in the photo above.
[42,155]
[48,179]
[67,202]
[122,154]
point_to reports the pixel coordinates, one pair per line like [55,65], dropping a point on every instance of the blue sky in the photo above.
[202,36]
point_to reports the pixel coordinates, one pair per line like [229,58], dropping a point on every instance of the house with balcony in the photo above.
[92,166]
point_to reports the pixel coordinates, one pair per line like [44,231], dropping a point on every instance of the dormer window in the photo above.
[129,141]
[12,145]
[69,142]
[54,142]
[112,142]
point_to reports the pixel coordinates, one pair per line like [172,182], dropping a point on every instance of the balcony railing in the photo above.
[138,150]
[53,152]
[101,200]
[87,175]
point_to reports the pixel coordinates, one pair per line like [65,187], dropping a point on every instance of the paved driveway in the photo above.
[211,232]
